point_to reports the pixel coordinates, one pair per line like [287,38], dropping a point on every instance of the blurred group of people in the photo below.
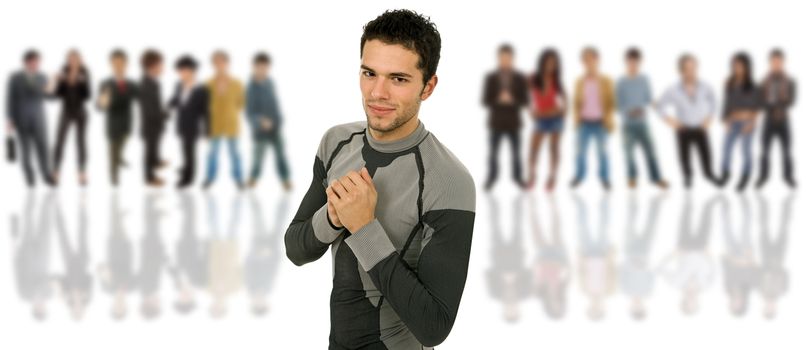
[688,107]
[209,109]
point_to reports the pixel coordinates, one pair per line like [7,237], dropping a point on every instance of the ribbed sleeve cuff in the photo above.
[370,244]
[323,229]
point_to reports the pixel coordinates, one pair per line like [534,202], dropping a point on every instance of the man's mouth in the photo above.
[380,109]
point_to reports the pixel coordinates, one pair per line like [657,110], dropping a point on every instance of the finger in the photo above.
[331,195]
[356,178]
[338,188]
[347,184]
[365,175]
[349,180]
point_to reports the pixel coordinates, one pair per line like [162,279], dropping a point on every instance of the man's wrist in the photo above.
[356,228]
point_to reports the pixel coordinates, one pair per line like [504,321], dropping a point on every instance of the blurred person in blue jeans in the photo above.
[594,103]
[633,95]
[741,107]
[263,114]
[227,98]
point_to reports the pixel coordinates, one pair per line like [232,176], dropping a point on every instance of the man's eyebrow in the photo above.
[395,74]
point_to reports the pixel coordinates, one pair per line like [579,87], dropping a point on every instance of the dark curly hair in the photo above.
[410,29]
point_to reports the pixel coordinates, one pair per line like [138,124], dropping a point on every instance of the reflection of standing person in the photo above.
[73,88]
[27,91]
[192,252]
[32,255]
[633,96]
[263,114]
[262,263]
[694,106]
[116,275]
[117,97]
[594,103]
[225,273]
[548,112]
[76,283]
[508,278]
[191,102]
[742,103]
[739,265]
[227,98]
[636,275]
[773,280]
[778,95]
[597,268]
[153,259]
[551,271]
[504,95]
[152,114]
[691,267]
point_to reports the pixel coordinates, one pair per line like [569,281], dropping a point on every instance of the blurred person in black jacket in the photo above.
[153,115]
[191,102]
[73,89]
[505,93]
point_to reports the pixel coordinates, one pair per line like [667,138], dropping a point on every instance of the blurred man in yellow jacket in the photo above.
[226,101]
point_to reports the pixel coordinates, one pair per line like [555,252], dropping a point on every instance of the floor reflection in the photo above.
[186,249]
[713,244]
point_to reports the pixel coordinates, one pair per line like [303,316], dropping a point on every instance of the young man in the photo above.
[778,96]
[263,114]
[226,101]
[153,115]
[396,206]
[191,102]
[505,94]
[118,95]
[594,102]
[633,95]
[694,106]
[27,91]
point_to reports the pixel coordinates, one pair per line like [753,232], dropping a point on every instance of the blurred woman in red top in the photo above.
[548,112]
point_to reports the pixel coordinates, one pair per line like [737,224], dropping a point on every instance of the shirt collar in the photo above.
[403,144]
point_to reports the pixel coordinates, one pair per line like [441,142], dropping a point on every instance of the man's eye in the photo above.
[368,73]
[400,80]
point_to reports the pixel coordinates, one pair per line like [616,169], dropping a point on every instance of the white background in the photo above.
[315,46]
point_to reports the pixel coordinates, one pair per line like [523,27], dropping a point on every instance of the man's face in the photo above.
[261,70]
[391,85]
[155,70]
[591,62]
[220,64]
[505,60]
[777,64]
[633,65]
[118,65]
[690,69]
[186,74]
[32,64]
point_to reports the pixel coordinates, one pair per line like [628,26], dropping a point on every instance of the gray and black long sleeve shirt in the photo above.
[397,281]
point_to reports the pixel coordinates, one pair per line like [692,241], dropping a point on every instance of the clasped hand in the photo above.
[351,200]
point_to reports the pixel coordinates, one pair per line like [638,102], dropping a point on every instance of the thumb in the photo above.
[366,177]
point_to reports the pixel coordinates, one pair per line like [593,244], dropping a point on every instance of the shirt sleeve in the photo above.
[427,300]
[310,233]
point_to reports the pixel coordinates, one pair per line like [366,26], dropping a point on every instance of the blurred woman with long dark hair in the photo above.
[742,104]
[548,113]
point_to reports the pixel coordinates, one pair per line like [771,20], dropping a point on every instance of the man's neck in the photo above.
[398,133]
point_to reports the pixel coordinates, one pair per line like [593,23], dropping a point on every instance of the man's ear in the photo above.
[429,87]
